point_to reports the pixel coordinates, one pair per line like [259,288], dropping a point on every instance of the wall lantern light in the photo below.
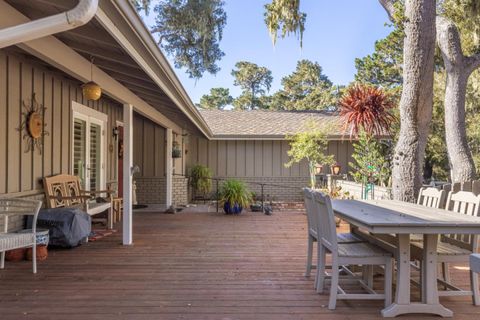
[336,169]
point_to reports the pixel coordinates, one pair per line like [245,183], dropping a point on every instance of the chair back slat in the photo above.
[327,232]
[432,197]
[463,202]
[62,185]
[310,209]
[18,206]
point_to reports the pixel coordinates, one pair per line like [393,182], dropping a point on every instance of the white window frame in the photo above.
[89,115]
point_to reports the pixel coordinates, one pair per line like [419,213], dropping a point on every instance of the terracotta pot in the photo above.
[42,253]
[15,255]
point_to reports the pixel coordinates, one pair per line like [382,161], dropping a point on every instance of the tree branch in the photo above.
[388,5]
[473,62]
[448,40]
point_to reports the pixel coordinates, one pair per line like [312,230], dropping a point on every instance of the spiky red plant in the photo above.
[368,108]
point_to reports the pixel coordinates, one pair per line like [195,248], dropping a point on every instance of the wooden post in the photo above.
[168,167]
[127,173]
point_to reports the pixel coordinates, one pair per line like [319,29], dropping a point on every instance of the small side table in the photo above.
[117,204]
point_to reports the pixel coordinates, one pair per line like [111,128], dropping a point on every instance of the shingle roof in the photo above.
[267,124]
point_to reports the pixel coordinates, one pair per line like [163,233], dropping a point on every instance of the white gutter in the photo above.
[78,16]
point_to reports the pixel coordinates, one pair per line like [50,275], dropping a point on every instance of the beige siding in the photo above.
[255,158]
[21,172]
[148,147]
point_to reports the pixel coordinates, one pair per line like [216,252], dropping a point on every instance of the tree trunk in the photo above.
[459,155]
[458,68]
[416,100]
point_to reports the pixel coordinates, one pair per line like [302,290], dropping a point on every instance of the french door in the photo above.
[88,158]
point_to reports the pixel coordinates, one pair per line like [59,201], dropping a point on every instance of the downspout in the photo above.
[78,16]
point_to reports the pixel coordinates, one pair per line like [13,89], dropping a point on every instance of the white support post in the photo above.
[127,173]
[169,167]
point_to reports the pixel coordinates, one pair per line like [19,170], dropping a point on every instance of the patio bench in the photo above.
[64,190]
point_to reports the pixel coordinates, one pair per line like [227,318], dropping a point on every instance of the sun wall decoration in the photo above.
[33,125]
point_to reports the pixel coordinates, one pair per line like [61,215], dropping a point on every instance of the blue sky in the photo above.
[336,33]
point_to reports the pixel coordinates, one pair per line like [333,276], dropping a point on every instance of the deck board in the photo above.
[187,266]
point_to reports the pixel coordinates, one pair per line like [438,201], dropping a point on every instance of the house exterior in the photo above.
[143,107]
[49,49]
[252,146]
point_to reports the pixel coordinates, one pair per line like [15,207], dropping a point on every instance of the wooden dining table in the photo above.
[403,219]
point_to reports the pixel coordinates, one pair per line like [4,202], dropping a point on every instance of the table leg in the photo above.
[402,304]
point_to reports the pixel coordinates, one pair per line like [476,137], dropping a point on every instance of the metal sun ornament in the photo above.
[33,125]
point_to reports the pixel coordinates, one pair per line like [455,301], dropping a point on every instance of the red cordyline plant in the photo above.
[368,108]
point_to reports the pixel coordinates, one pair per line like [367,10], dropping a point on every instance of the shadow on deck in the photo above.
[187,266]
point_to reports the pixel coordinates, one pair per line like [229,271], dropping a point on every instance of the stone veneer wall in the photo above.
[282,189]
[150,190]
[180,191]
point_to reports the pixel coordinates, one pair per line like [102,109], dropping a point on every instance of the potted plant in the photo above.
[201,179]
[234,196]
[176,151]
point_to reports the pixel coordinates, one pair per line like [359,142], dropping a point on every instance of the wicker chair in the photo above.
[11,240]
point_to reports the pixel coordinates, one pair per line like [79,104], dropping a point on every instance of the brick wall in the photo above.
[282,189]
[180,191]
[150,190]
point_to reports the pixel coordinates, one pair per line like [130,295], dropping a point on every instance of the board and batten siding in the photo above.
[21,172]
[256,158]
[148,147]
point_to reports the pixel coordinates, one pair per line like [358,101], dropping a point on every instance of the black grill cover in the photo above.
[68,227]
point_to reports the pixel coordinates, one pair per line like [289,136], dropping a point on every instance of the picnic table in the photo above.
[403,219]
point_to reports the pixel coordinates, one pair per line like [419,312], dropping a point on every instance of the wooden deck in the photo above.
[187,266]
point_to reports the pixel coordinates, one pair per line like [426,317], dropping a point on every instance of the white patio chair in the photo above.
[312,230]
[13,240]
[475,262]
[456,248]
[432,198]
[342,254]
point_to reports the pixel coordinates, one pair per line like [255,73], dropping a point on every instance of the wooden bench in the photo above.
[64,190]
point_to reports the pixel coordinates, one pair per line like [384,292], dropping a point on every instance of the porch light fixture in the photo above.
[91,90]
[336,169]
[115,132]
[318,169]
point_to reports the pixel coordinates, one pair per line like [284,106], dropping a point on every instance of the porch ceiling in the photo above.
[93,41]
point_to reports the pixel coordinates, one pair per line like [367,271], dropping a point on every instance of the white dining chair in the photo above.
[456,248]
[312,230]
[475,262]
[14,240]
[343,254]
[432,197]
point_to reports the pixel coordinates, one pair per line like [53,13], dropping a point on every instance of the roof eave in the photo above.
[134,21]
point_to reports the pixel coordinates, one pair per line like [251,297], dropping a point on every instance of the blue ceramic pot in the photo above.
[236,209]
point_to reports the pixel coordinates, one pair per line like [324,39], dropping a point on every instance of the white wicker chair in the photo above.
[10,241]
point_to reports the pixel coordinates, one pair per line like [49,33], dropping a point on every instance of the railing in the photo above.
[261,185]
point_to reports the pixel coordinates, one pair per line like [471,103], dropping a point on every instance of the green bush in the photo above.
[201,179]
